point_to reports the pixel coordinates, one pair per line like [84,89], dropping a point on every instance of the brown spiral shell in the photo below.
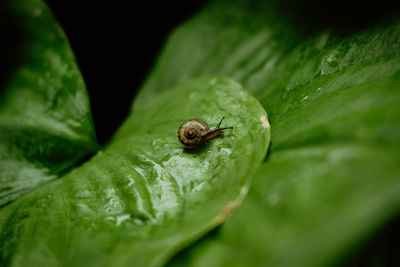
[191,133]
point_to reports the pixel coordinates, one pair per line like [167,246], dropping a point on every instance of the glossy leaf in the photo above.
[332,177]
[45,120]
[328,201]
[143,198]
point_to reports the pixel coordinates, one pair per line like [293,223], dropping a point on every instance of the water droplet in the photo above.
[236,106]
[131,181]
[83,194]
[122,218]
[193,95]
[273,199]
[332,60]
[109,218]
[138,221]
[305,99]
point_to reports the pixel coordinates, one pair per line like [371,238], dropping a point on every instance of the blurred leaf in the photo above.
[332,96]
[144,197]
[45,120]
[306,207]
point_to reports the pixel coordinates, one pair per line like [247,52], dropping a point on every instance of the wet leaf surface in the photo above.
[332,175]
[330,180]
[144,197]
[45,119]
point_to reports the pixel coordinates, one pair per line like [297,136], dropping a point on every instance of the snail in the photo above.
[193,133]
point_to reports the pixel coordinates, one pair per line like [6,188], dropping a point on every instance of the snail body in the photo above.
[193,133]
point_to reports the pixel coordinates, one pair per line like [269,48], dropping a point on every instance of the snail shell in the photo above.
[193,133]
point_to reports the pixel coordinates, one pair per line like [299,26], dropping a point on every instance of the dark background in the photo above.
[116,44]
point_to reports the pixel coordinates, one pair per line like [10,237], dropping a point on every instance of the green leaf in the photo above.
[143,198]
[45,119]
[307,207]
[332,177]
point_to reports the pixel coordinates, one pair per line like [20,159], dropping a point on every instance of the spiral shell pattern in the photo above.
[191,133]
